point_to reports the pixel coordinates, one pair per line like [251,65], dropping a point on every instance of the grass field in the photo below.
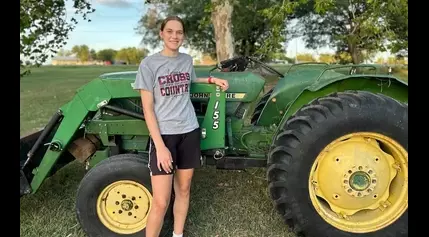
[223,203]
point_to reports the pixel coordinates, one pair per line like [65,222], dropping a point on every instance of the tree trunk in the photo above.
[354,53]
[221,20]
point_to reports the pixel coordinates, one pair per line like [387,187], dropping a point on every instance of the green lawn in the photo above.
[224,203]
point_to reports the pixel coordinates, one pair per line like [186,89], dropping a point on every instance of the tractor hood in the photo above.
[119,75]
[131,75]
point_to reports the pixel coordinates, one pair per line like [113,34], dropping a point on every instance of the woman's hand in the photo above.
[222,83]
[164,159]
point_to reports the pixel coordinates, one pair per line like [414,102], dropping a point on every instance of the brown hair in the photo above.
[172,18]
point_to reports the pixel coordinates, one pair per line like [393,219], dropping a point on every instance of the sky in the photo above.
[113,26]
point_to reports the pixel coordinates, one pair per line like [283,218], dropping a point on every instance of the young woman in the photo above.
[164,80]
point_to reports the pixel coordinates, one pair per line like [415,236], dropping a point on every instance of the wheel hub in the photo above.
[127,205]
[355,176]
[359,181]
[123,207]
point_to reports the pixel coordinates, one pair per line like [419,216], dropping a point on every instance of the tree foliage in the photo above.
[106,55]
[131,55]
[63,53]
[258,28]
[327,58]
[356,27]
[82,52]
[305,57]
[396,15]
[44,28]
[93,54]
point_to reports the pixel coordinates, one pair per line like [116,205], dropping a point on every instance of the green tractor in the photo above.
[333,138]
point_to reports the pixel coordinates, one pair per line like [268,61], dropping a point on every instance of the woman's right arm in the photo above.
[162,152]
[144,83]
[149,115]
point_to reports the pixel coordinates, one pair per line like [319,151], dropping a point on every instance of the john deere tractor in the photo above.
[333,138]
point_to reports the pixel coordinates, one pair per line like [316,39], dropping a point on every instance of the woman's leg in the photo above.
[161,188]
[188,158]
[182,189]
[162,184]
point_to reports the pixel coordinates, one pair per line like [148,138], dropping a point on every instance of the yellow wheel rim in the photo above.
[359,182]
[123,206]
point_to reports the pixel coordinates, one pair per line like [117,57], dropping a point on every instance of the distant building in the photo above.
[65,60]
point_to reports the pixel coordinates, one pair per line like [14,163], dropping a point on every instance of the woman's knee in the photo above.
[161,192]
[160,203]
[183,190]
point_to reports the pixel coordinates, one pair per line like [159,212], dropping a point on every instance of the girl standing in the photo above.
[164,80]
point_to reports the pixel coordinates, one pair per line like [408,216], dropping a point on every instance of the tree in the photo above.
[258,28]
[221,19]
[343,58]
[106,55]
[391,61]
[327,58]
[82,52]
[63,53]
[93,54]
[44,28]
[131,55]
[306,57]
[396,15]
[351,26]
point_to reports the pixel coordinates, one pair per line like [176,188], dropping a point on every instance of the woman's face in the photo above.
[172,35]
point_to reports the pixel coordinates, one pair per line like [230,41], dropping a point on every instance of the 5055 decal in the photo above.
[216,110]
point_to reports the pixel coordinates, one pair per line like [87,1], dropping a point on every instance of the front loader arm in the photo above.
[87,100]
[73,115]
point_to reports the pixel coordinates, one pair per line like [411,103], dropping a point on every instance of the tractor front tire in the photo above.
[339,167]
[115,196]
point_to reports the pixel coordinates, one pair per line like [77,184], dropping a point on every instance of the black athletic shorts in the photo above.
[184,149]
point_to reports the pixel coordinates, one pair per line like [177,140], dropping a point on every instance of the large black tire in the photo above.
[116,168]
[307,133]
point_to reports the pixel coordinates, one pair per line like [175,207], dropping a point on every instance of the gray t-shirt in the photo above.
[169,78]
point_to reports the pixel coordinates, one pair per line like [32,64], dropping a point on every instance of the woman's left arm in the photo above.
[209,80]
[213,80]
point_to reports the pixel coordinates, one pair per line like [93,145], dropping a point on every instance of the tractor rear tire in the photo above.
[130,168]
[303,140]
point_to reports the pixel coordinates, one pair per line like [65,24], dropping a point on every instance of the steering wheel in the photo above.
[240,63]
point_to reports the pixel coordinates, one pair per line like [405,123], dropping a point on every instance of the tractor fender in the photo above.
[383,84]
